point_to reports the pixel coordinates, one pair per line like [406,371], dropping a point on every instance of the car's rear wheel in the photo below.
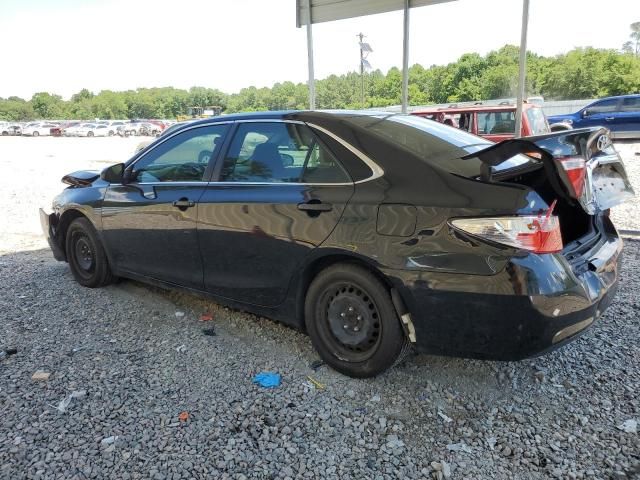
[89,134]
[352,321]
[36,133]
[86,256]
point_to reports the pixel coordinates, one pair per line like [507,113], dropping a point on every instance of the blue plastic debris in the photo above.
[267,379]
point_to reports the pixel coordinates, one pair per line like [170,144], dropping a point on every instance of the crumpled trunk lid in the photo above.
[606,183]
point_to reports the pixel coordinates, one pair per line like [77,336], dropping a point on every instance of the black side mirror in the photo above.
[113,174]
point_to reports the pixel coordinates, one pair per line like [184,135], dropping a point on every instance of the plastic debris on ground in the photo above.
[206,317]
[179,314]
[459,447]
[181,348]
[315,383]
[65,402]
[315,365]
[7,352]
[183,416]
[210,332]
[629,426]
[40,376]
[267,379]
[444,417]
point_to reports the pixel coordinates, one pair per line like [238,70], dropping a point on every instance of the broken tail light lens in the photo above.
[539,234]
[576,170]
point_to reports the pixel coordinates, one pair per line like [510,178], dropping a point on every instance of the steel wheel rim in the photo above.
[352,320]
[84,255]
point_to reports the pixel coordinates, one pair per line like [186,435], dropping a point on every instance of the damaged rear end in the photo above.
[570,273]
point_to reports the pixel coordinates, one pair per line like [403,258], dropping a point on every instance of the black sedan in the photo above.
[374,232]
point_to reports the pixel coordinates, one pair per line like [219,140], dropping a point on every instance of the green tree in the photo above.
[46,105]
[633,45]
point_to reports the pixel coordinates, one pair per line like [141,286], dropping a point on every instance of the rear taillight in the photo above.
[539,234]
[576,170]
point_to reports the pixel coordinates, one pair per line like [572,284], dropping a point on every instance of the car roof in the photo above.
[281,115]
[631,95]
[473,108]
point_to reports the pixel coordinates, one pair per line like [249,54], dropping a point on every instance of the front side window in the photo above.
[603,107]
[182,158]
[277,152]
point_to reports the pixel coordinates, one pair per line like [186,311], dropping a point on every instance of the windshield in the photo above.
[537,121]
[433,142]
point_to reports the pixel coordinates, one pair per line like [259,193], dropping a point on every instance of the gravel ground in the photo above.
[135,364]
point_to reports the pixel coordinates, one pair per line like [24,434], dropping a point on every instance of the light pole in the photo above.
[365,50]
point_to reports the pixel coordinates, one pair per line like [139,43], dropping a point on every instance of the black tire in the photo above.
[89,134]
[352,321]
[36,134]
[86,256]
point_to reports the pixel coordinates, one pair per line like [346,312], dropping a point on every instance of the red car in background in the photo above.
[493,122]
[58,130]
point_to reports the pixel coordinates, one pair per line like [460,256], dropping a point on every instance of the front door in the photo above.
[600,114]
[149,223]
[280,194]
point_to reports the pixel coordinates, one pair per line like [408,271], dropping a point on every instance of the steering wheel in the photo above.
[190,170]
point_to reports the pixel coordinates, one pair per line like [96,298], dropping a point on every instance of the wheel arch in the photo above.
[66,218]
[320,263]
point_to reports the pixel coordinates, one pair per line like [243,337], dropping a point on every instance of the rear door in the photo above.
[628,119]
[280,192]
[149,223]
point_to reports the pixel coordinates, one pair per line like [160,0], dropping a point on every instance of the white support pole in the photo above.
[523,66]
[405,59]
[312,81]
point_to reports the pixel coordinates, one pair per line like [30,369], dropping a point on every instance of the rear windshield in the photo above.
[537,121]
[433,142]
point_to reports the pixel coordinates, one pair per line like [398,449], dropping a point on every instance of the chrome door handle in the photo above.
[183,203]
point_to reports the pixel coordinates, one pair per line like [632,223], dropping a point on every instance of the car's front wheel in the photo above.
[352,321]
[36,133]
[87,258]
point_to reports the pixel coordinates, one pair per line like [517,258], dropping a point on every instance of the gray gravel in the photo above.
[135,366]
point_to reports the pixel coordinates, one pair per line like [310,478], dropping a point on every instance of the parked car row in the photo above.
[77,128]
[621,115]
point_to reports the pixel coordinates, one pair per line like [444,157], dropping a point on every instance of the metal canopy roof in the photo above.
[309,12]
[329,10]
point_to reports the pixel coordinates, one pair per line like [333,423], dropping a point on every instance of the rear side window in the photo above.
[279,152]
[631,104]
[496,122]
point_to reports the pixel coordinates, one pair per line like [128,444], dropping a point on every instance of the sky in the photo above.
[62,46]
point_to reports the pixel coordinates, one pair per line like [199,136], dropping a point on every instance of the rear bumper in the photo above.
[49,222]
[536,304]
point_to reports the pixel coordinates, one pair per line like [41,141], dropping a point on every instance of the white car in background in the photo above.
[75,130]
[93,130]
[131,129]
[115,125]
[37,129]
